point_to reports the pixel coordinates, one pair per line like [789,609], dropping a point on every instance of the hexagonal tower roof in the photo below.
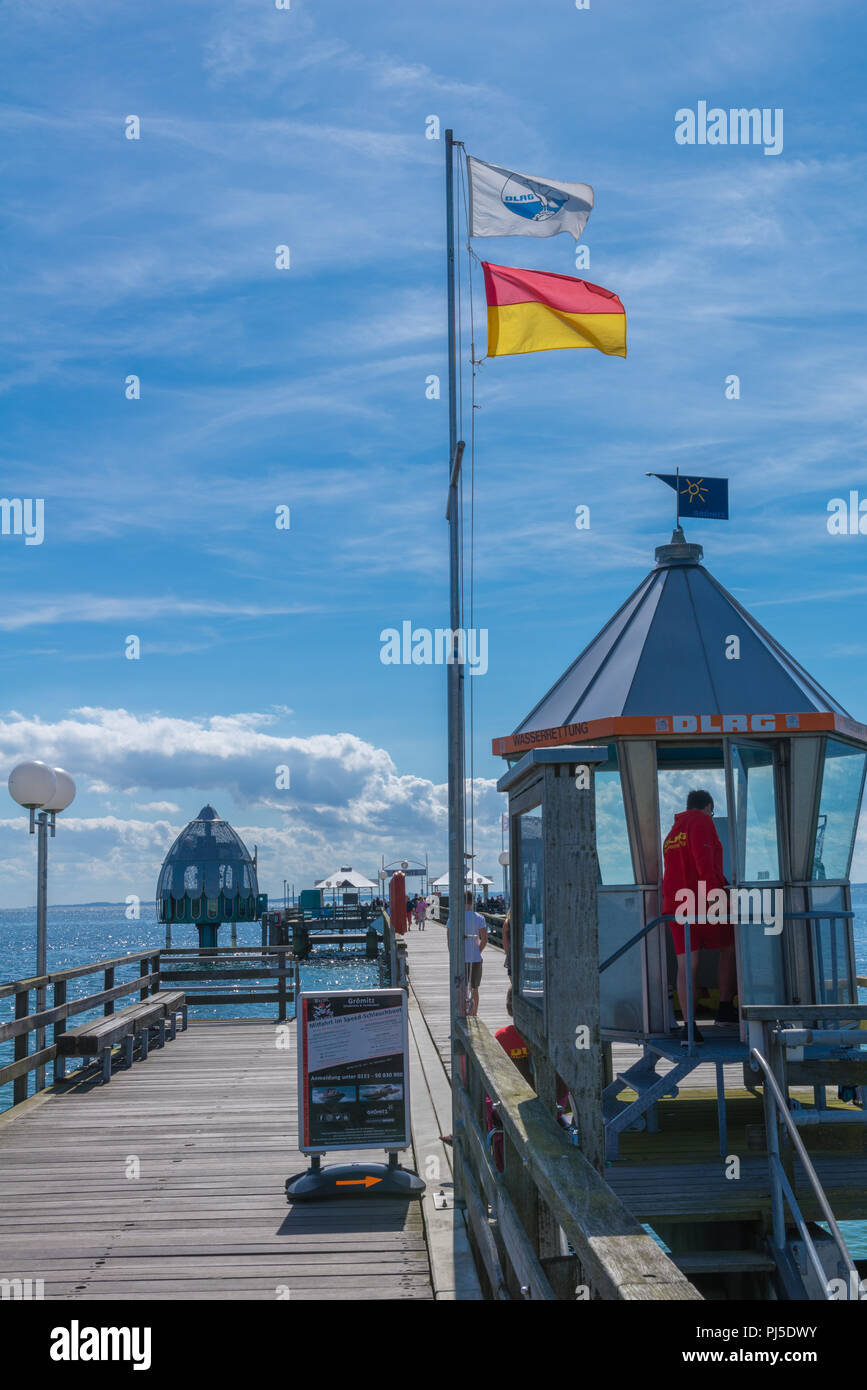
[664,652]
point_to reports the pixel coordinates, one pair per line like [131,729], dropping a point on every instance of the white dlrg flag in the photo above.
[503,203]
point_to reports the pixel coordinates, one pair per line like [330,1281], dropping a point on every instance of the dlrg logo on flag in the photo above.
[503,203]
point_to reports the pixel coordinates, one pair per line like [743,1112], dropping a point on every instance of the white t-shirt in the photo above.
[474,922]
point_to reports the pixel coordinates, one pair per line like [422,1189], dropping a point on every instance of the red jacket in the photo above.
[692,852]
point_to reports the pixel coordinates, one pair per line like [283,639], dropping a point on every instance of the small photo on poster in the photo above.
[378,1094]
[334,1095]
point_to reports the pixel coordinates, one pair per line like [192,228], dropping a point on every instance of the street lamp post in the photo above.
[503,860]
[43,791]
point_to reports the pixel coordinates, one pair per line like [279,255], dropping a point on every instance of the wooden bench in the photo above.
[96,1039]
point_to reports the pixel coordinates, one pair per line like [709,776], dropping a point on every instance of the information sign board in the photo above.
[353,1077]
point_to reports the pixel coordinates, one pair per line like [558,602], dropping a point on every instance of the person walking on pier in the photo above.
[475,941]
[693,854]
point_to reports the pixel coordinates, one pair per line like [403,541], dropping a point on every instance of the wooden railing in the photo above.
[206,976]
[495,927]
[26,1022]
[395,970]
[548,1226]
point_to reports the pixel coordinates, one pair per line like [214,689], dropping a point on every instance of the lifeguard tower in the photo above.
[683,689]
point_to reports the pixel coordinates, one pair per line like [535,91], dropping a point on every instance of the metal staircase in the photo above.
[621,1115]
[805,1261]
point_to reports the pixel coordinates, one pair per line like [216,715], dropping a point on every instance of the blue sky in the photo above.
[306,388]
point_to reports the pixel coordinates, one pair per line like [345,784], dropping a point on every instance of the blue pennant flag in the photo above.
[705,498]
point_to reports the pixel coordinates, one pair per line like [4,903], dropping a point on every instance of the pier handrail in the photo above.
[547,1185]
[495,922]
[59,976]
[25,1023]
[780,1185]
[389,944]
[188,965]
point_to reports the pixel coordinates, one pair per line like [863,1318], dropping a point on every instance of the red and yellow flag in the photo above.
[534,311]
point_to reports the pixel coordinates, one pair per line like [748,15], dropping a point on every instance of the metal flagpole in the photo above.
[454,668]
[677,498]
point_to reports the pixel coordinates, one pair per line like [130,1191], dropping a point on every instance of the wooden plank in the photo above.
[453,1273]
[236,997]
[268,972]
[768,1013]
[485,1242]
[572,952]
[336,1293]
[528,1271]
[27,1063]
[725,1261]
[172,953]
[22,1042]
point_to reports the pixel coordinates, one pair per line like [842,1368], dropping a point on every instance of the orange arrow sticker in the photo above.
[358,1182]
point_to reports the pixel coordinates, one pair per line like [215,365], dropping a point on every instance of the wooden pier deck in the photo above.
[211,1119]
[428,960]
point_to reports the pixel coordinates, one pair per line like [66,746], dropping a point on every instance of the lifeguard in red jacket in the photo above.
[693,854]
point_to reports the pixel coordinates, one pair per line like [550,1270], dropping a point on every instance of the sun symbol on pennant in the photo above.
[694,490]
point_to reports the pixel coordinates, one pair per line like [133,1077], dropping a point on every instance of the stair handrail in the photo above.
[634,940]
[782,1109]
[688,1005]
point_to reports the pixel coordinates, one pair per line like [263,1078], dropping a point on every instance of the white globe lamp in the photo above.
[33,784]
[64,793]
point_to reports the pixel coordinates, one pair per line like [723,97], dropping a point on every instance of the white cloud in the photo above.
[91,608]
[346,802]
